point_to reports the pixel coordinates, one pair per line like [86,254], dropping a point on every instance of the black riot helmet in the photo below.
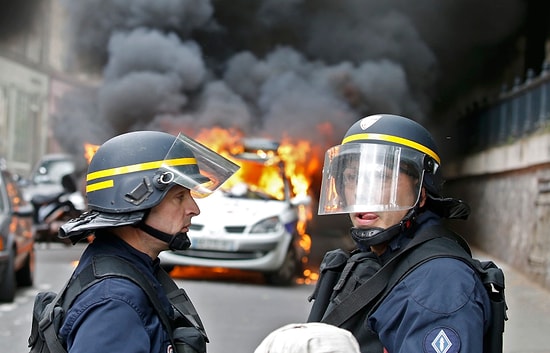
[131,173]
[376,152]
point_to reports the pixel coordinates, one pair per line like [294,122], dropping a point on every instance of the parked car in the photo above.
[247,226]
[17,257]
[54,194]
[47,175]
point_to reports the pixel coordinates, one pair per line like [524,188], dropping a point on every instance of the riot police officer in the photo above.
[140,189]
[386,175]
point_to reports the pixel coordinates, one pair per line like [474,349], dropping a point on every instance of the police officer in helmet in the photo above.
[140,189]
[386,175]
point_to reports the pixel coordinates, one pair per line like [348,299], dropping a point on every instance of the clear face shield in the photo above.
[195,167]
[361,177]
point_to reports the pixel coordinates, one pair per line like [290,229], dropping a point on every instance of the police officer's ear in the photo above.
[422,200]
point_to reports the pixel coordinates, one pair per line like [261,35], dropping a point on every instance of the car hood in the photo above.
[218,208]
[41,189]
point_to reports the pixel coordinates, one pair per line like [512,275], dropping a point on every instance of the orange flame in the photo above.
[223,141]
[301,164]
[89,151]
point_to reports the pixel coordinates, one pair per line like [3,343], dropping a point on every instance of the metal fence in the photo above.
[518,112]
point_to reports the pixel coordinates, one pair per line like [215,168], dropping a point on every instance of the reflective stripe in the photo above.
[394,139]
[101,185]
[131,169]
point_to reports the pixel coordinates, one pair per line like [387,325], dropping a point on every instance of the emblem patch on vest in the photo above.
[442,340]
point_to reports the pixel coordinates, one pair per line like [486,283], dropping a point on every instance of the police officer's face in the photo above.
[406,195]
[173,214]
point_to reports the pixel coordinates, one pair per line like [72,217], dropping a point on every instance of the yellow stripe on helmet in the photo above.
[106,173]
[393,139]
[99,186]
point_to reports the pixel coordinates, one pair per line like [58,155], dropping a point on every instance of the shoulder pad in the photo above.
[334,259]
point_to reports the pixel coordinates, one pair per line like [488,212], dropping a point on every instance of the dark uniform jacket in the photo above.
[115,315]
[441,306]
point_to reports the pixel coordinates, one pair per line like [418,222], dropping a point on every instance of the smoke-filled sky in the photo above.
[276,67]
[17,16]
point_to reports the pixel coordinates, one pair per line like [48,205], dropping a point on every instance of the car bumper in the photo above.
[256,253]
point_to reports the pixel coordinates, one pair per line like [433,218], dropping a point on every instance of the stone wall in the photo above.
[510,201]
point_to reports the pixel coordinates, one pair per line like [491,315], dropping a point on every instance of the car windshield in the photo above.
[51,172]
[257,179]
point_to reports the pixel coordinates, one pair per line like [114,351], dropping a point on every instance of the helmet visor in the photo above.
[196,167]
[362,177]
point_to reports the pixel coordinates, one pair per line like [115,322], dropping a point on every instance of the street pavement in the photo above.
[528,327]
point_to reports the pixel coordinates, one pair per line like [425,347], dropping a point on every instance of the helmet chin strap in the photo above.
[178,241]
[366,238]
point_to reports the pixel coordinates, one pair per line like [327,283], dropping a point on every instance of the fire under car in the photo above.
[251,223]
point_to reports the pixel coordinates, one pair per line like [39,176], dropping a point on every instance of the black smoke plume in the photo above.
[279,67]
[17,17]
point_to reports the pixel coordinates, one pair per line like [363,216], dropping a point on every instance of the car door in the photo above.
[20,213]
[7,275]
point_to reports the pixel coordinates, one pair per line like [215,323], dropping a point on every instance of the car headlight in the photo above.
[268,225]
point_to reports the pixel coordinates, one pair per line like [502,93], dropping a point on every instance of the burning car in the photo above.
[253,222]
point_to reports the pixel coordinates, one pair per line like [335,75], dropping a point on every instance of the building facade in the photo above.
[32,80]
[504,174]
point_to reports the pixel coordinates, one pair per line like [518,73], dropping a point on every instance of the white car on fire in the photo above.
[251,224]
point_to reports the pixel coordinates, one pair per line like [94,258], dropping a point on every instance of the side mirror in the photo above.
[300,200]
[68,183]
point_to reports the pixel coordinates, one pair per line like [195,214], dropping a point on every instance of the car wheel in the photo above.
[8,285]
[286,274]
[25,276]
